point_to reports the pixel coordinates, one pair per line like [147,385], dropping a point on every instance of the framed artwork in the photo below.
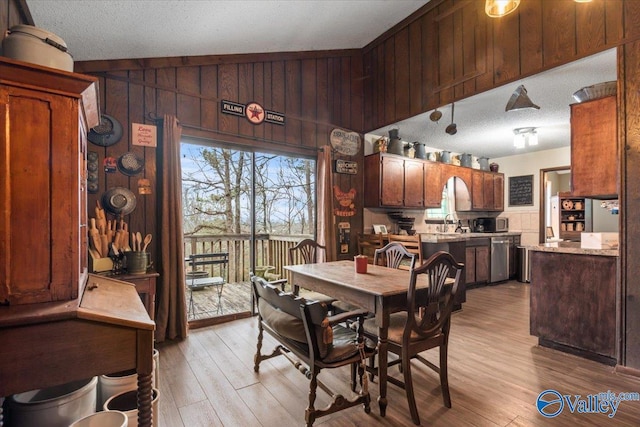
[379,229]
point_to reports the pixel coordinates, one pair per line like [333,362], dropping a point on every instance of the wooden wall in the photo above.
[316,91]
[450,49]
[13,12]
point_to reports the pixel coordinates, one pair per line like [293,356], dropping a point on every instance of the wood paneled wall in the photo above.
[13,12]
[316,91]
[450,49]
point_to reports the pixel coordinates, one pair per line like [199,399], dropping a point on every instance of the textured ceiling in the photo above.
[114,29]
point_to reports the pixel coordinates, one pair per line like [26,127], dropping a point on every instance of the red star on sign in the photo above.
[255,113]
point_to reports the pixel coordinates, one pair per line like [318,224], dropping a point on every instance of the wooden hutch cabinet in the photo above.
[57,322]
[43,142]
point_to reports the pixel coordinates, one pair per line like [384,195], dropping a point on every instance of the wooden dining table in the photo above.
[381,291]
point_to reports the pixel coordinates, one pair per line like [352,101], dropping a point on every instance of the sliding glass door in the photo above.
[252,206]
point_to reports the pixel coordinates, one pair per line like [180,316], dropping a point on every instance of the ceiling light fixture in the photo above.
[520,100]
[499,8]
[525,136]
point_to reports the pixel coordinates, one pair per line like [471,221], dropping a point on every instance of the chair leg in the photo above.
[310,412]
[372,365]
[444,379]
[408,386]
[257,358]
[353,377]
[192,308]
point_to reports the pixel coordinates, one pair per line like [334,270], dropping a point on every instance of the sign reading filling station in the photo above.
[253,112]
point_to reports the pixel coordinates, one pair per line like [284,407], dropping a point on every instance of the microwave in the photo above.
[491,225]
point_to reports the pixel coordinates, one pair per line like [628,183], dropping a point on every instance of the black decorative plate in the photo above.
[119,201]
[107,133]
[130,164]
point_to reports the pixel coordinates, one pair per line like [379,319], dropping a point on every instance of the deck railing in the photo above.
[271,250]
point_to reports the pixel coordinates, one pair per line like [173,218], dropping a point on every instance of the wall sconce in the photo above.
[525,136]
[498,8]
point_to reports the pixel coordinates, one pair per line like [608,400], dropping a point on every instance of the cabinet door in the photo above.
[483,265]
[433,184]
[477,190]
[470,265]
[594,148]
[487,183]
[498,192]
[413,184]
[41,198]
[392,181]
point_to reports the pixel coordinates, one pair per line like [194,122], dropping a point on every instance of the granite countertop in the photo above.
[461,237]
[571,248]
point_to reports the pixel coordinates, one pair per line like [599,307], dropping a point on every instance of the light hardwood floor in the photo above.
[496,372]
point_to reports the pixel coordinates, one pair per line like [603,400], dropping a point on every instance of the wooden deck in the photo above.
[235,298]
[496,372]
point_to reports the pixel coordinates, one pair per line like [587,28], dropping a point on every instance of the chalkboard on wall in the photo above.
[521,190]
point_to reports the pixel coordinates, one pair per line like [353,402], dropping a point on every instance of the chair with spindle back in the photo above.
[424,325]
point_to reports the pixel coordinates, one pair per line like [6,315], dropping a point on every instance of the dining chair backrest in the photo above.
[394,255]
[432,307]
[412,243]
[368,243]
[306,251]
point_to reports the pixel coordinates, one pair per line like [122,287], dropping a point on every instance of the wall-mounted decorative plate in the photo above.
[119,201]
[107,133]
[130,164]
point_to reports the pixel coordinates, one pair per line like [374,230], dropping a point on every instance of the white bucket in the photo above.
[112,384]
[103,419]
[32,44]
[56,406]
[127,402]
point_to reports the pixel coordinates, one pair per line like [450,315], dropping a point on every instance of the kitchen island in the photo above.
[573,299]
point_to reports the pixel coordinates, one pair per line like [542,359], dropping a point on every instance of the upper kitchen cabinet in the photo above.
[46,115]
[487,191]
[393,181]
[594,149]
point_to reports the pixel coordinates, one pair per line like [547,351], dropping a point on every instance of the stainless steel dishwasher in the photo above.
[499,259]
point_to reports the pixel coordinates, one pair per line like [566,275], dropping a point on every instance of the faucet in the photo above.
[446,227]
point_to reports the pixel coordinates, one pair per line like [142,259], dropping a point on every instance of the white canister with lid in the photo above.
[32,44]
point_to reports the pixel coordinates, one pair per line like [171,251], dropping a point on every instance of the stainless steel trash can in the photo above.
[524,267]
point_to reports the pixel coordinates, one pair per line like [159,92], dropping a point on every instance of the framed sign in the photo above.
[521,190]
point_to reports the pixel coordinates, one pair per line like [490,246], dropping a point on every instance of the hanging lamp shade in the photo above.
[520,100]
[498,8]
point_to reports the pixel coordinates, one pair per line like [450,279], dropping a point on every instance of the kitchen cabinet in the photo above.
[433,184]
[43,235]
[477,260]
[487,191]
[594,149]
[393,181]
[573,216]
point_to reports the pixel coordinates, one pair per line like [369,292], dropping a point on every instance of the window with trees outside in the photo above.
[252,206]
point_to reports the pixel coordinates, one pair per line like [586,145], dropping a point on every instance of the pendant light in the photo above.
[499,8]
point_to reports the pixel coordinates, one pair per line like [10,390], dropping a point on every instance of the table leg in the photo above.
[382,369]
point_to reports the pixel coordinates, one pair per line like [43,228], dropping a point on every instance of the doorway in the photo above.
[552,181]
[250,206]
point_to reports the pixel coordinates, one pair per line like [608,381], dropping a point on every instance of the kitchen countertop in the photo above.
[461,237]
[571,248]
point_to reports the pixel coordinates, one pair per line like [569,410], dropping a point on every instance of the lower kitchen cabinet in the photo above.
[478,262]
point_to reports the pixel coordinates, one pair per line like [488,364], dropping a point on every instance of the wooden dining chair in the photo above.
[424,325]
[394,255]
[303,328]
[308,251]
[412,243]
[368,243]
